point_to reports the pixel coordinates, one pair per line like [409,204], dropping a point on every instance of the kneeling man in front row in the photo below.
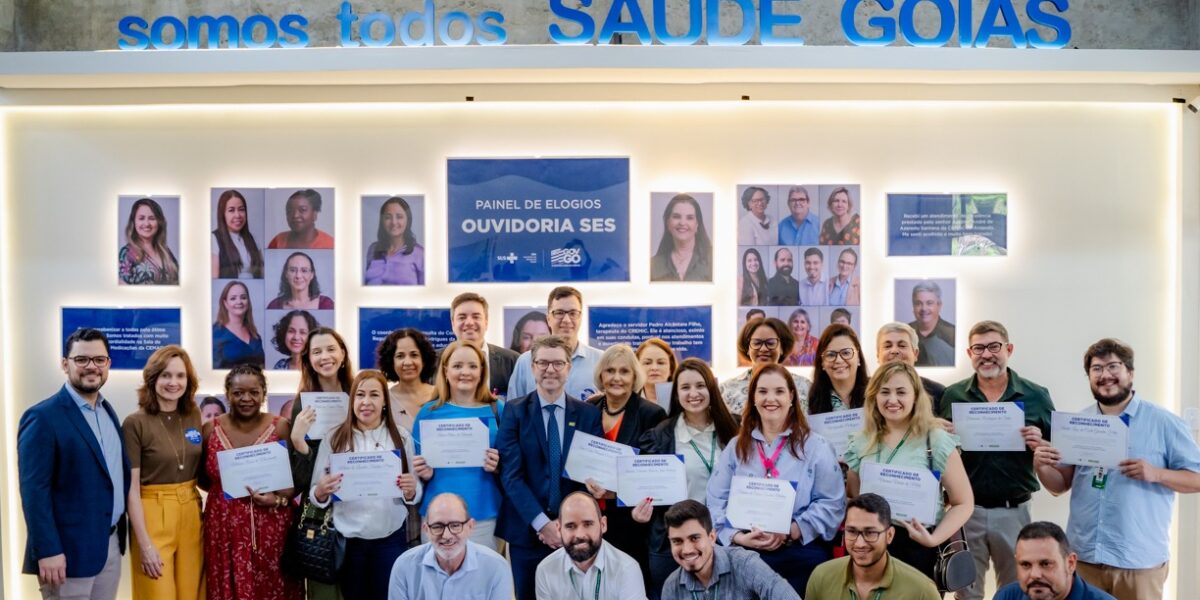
[1046,568]
[450,565]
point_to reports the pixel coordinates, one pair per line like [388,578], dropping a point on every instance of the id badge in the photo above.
[1100,478]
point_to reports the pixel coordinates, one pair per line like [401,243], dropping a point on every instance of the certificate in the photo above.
[990,426]
[595,458]
[837,427]
[366,474]
[911,492]
[263,468]
[662,392]
[454,443]
[657,476]
[331,410]
[758,502]
[1089,440]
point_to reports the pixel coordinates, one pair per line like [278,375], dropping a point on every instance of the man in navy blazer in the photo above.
[75,479]
[535,430]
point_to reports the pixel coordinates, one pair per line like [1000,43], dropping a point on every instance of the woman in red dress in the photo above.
[244,537]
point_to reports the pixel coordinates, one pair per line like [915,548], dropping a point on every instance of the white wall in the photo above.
[1092,205]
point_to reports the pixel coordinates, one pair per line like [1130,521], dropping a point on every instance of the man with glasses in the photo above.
[782,288]
[534,439]
[450,565]
[844,288]
[564,312]
[1004,482]
[868,571]
[74,479]
[1121,518]
[801,228]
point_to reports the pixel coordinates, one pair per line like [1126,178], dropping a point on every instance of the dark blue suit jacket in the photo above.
[66,491]
[524,474]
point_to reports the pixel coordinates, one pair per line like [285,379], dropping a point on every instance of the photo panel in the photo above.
[286,332]
[812,269]
[928,306]
[243,301]
[799,215]
[845,267]
[753,200]
[300,218]
[300,279]
[803,322]
[753,259]
[841,205]
[241,254]
[839,314]
[148,240]
[522,325]
[211,406]
[393,239]
[280,404]
[679,220]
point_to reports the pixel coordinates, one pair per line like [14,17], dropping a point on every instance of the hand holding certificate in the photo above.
[331,410]
[758,502]
[262,468]
[454,443]
[837,427]
[594,458]
[989,426]
[659,477]
[1089,440]
[912,493]
[366,474]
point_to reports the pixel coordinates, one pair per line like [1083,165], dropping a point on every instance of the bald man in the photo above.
[450,565]
[585,565]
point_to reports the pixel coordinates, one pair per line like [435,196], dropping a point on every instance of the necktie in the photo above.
[554,453]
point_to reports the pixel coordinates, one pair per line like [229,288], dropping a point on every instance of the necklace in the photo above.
[178,458]
[371,437]
[612,413]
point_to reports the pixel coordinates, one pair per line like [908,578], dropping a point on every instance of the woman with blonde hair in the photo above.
[235,339]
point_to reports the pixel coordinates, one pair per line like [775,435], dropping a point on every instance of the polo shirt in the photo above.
[835,579]
[1080,590]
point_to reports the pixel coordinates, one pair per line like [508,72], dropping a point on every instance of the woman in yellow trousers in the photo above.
[163,442]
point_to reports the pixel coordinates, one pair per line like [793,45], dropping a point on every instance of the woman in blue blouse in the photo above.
[235,338]
[463,394]
[774,442]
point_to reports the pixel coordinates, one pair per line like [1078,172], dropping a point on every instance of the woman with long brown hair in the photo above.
[774,442]
[235,253]
[235,338]
[145,257]
[839,375]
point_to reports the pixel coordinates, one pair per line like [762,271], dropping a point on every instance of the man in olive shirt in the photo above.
[868,571]
[1003,482]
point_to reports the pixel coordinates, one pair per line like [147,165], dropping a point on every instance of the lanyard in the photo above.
[769,463]
[712,453]
[710,594]
[596,596]
[895,450]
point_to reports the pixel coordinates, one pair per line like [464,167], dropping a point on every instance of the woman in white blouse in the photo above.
[374,528]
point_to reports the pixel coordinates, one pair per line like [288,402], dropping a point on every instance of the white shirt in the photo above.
[618,575]
[372,518]
[693,466]
[751,231]
[240,245]
[484,575]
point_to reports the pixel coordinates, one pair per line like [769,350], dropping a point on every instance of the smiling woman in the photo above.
[146,258]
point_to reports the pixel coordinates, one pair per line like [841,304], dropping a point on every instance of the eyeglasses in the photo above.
[846,263]
[1113,368]
[563,314]
[994,348]
[455,527]
[845,354]
[871,535]
[84,361]
[769,343]
[554,365]
[797,200]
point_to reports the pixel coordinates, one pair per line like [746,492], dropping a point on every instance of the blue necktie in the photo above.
[555,455]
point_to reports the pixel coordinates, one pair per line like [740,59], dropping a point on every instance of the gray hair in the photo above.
[897,327]
[927,285]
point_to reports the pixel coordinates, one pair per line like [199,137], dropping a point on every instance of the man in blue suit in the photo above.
[535,435]
[74,479]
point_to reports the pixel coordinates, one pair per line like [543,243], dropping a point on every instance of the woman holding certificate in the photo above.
[162,440]
[697,427]
[374,492]
[463,399]
[839,375]
[244,536]
[775,456]
[900,431]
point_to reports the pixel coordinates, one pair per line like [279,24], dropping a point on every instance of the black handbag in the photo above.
[314,548]
[954,568]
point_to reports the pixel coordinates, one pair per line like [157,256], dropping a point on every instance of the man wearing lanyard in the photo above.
[585,567]
[1121,518]
[564,312]
[74,479]
[868,572]
[1003,482]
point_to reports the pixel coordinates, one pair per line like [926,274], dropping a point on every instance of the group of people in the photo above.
[518,525]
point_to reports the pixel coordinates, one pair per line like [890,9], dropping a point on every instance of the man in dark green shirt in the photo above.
[1003,482]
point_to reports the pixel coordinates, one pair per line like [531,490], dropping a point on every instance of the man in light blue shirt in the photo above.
[1121,518]
[801,228]
[450,565]
[814,290]
[564,311]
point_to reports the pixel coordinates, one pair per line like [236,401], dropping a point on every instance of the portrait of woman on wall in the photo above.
[394,257]
[235,338]
[842,228]
[530,326]
[235,252]
[298,285]
[291,334]
[146,257]
[301,211]
[685,247]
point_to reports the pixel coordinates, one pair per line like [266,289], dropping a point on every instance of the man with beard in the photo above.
[585,566]
[450,565]
[782,288]
[1121,518]
[1004,482]
[1046,568]
[936,334]
[74,479]
[707,570]
[867,570]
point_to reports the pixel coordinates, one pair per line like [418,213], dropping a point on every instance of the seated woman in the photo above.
[298,286]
